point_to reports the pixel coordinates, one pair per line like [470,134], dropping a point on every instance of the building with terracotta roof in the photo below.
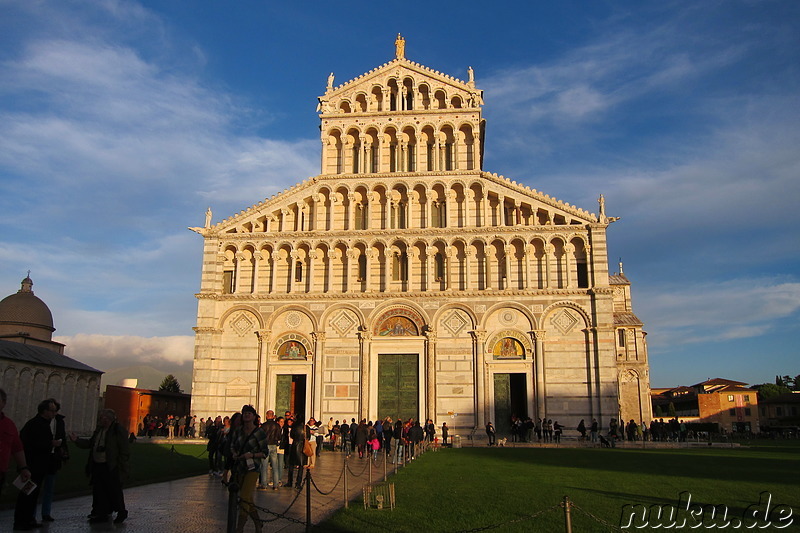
[33,366]
[730,404]
[406,281]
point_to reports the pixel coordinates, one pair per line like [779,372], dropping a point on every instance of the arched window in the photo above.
[362,267]
[439,260]
[298,271]
[400,267]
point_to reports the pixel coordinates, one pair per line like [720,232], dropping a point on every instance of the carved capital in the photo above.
[479,335]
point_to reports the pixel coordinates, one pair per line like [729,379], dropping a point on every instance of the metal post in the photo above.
[344,476]
[369,461]
[308,500]
[567,505]
[233,506]
[385,459]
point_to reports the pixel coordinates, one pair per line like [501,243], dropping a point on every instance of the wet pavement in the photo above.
[199,504]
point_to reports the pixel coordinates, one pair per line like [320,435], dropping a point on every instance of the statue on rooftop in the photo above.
[400,47]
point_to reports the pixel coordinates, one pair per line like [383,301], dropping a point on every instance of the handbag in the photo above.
[307,451]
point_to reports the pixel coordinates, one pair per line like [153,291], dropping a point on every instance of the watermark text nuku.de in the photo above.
[685,514]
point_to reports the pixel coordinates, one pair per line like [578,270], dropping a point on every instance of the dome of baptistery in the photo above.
[24,310]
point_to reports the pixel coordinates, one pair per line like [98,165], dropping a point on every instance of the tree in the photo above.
[671,410]
[770,390]
[170,384]
[657,412]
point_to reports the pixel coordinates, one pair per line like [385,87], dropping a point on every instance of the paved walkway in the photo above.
[199,504]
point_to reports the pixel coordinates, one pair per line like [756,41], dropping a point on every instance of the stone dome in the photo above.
[23,311]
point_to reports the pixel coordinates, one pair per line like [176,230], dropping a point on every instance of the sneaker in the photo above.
[48,518]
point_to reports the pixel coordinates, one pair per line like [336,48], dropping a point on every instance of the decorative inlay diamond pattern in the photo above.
[242,324]
[564,321]
[343,323]
[455,322]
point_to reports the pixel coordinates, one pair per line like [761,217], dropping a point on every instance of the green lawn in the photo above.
[150,463]
[468,488]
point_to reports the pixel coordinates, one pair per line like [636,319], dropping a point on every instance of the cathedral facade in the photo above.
[406,281]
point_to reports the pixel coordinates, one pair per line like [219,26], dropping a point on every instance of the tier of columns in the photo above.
[455,151]
[318,212]
[436,270]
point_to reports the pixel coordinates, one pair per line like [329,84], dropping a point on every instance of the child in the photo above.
[375,445]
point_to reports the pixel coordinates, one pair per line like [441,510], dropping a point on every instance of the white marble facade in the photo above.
[406,280]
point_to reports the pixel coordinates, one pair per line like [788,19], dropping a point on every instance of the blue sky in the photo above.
[121,121]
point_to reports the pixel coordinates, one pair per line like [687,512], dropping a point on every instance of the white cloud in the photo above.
[696,313]
[109,351]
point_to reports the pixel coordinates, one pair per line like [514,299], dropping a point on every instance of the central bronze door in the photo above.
[510,399]
[291,395]
[398,386]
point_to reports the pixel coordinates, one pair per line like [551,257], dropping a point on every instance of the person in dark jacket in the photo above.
[297,458]
[415,436]
[107,467]
[273,432]
[37,440]
[362,434]
[58,456]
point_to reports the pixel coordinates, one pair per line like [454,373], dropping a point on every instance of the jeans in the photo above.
[271,460]
[48,485]
[398,452]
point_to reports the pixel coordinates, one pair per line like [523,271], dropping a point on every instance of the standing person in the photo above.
[170,427]
[361,437]
[248,450]
[321,437]
[445,433]
[593,430]
[491,433]
[37,440]
[398,441]
[557,429]
[582,429]
[415,436]
[344,430]
[297,459]
[312,430]
[430,430]
[214,434]
[58,456]
[388,432]
[272,432]
[227,439]
[10,444]
[107,467]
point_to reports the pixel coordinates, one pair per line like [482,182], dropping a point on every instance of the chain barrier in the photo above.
[314,484]
[611,527]
[514,521]
[176,452]
[367,465]
[277,516]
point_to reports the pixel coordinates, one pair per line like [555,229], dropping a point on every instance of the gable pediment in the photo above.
[360,94]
